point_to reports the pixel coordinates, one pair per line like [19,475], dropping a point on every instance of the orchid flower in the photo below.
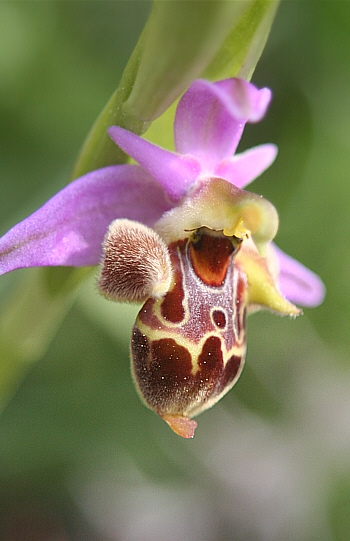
[178,233]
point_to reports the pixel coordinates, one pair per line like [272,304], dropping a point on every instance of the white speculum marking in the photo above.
[199,302]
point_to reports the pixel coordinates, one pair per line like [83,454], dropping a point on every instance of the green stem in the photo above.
[29,319]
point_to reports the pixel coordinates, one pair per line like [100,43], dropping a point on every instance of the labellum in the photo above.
[198,272]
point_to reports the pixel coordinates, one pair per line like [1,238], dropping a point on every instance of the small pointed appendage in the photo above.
[135,265]
[262,279]
[182,426]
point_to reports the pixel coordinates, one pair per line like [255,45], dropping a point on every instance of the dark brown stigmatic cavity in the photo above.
[188,348]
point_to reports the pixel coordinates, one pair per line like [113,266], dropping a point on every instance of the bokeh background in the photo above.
[80,457]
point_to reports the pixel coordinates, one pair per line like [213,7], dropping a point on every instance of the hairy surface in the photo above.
[135,265]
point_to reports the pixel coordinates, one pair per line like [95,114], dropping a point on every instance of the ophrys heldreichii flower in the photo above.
[178,233]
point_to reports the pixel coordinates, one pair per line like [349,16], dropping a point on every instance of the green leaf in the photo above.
[242,48]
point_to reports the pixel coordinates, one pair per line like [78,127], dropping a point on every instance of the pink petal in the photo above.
[210,118]
[297,283]
[69,228]
[245,101]
[174,173]
[244,168]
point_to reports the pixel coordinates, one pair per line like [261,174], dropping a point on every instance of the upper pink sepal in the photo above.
[210,118]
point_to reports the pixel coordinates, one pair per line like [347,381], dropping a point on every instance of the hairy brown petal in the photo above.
[136,263]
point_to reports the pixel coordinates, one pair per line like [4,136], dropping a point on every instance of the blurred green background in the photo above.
[80,457]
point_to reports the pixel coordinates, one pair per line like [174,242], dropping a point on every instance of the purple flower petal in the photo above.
[210,118]
[174,173]
[297,283]
[69,228]
[244,101]
[244,168]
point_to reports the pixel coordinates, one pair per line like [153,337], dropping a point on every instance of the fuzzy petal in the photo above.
[69,228]
[244,168]
[210,118]
[174,173]
[297,283]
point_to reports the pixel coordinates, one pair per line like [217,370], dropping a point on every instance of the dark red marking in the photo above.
[163,369]
[163,372]
[240,320]
[170,360]
[210,257]
[172,306]
[147,316]
[219,319]
[140,347]
[230,372]
[211,356]
[211,368]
